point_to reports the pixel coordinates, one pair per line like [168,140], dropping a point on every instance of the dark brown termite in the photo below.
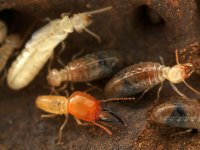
[143,76]
[88,68]
[178,113]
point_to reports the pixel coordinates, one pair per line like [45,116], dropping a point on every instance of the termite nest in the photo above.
[143,31]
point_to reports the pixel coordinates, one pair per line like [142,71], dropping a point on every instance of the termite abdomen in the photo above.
[11,43]
[134,79]
[88,68]
[53,104]
[179,113]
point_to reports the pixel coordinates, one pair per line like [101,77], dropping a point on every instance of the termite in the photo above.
[40,47]
[3,31]
[178,113]
[11,43]
[143,76]
[87,68]
[82,106]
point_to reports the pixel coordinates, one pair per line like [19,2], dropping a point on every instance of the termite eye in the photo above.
[53,78]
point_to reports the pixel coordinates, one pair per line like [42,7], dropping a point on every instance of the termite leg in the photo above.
[143,93]
[61,129]
[161,60]
[50,63]
[93,34]
[92,87]
[102,127]
[81,123]
[58,59]
[78,54]
[47,19]
[159,91]
[72,86]
[180,133]
[63,88]
[54,91]
[178,92]
[47,116]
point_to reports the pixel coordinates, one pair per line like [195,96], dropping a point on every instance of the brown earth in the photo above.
[125,28]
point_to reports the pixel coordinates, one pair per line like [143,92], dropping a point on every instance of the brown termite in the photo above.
[143,76]
[11,43]
[82,106]
[90,67]
[178,113]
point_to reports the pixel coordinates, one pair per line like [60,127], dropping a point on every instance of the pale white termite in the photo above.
[40,47]
[3,31]
[11,43]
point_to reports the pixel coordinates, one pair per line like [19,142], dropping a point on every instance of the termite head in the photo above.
[85,107]
[180,72]
[53,78]
[81,21]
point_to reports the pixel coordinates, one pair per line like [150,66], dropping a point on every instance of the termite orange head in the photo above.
[54,78]
[180,72]
[85,107]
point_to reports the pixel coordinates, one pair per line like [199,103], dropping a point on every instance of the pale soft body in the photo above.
[40,48]
[11,43]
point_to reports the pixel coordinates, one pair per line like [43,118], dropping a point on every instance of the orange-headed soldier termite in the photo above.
[178,113]
[82,106]
[143,76]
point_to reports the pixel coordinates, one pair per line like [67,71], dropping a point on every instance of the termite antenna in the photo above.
[93,34]
[176,54]
[191,88]
[119,99]
[99,10]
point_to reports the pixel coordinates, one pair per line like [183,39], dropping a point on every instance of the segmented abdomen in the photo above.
[36,53]
[53,104]
[12,42]
[134,79]
[93,66]
[178,113]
